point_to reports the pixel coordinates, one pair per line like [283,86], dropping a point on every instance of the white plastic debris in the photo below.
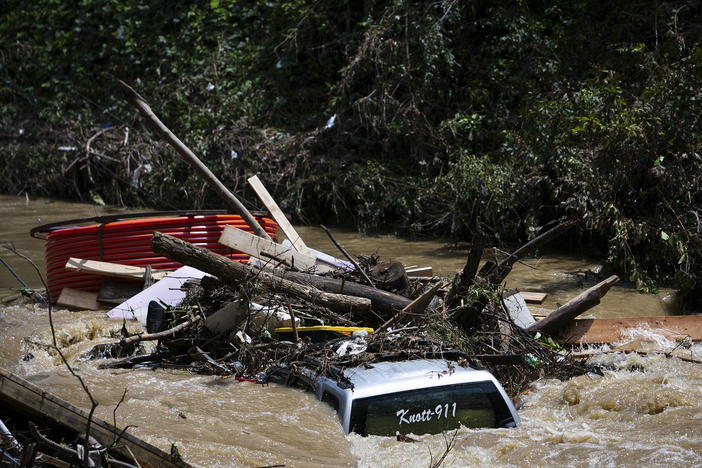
[331,122]
[351,347]
[243,337]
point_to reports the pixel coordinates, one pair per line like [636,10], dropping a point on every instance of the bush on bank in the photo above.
[438,118]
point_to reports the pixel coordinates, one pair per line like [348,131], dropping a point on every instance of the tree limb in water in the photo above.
[229,270]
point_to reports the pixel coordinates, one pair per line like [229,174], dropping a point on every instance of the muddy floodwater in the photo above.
[645,411]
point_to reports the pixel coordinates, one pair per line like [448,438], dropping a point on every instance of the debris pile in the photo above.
[243,320]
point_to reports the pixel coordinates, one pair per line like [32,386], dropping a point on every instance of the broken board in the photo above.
[76,299]
[534,297]
[269,251]
[116,270]
[612,330]
[422,271]
[278,215]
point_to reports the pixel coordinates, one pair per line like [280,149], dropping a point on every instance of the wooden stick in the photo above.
[142,106]
[346,254]
[161,334]
[292,322]
[500,272]
[278,215]
[418,305]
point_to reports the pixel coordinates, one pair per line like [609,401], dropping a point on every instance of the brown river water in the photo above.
[645,411]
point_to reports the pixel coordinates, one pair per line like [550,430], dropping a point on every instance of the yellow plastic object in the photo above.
[324,328]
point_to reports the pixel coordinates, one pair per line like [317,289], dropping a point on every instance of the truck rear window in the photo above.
[430,410]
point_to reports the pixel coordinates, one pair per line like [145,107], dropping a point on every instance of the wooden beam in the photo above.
[611,330]
[115,270]
[76,299]
[278,215]
[31,400]
[266,250]
[571,309]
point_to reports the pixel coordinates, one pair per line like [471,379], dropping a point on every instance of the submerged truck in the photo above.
[418,396]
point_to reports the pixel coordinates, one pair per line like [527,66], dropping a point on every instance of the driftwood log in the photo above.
[382,301]
[576,306]
[465,278]
[226,269]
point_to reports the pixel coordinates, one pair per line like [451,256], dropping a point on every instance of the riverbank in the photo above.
[441,120]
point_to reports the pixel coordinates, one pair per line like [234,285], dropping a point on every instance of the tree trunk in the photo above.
[383,301]
[226,269]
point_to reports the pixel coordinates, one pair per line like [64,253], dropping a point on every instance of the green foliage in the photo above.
[449,115]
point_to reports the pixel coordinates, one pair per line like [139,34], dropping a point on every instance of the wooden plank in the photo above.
[76,299]
[611,330]
[115,270]
[533,297]
[424,271]
[325,259]
[278,215]
[266,250]
[27,398]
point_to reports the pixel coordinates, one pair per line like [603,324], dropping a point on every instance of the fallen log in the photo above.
[229,270]
[571,309]
[383,301]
